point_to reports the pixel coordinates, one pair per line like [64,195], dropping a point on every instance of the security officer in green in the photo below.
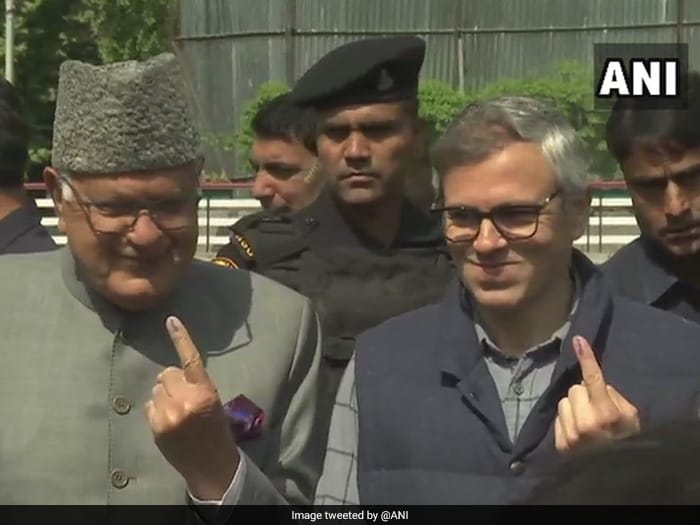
[362,251]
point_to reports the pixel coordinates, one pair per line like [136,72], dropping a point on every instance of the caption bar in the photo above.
[369,516]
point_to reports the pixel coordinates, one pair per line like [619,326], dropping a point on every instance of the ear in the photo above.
[53,187]
[420,136]
[199,166]
[580,212]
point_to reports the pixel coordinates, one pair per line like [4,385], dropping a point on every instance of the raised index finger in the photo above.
[593,378]
[190,359]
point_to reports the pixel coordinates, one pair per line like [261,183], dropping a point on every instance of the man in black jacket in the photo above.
[362,251]
[527,356]
[20,221]
[659,153]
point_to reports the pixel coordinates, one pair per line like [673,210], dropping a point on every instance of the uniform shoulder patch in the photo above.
[252,221]
[238,253]
[225,261]
[244,245]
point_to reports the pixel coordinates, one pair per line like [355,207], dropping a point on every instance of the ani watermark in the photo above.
[655,74]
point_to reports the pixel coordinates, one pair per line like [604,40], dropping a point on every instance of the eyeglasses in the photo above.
[515,222]
[112,217]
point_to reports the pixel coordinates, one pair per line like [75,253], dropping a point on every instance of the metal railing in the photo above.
[611,225]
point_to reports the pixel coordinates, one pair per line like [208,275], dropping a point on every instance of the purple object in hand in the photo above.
[246,418]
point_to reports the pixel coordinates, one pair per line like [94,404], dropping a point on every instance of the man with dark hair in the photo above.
[286,176]
[362,251]
[283,156]
[526,356]
[20,221]
[659,153]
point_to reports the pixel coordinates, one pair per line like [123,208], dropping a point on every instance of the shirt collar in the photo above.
[78,288]
[458,348]
[111,315]
[215,322]
[327,225]
[556,338]
[649,263]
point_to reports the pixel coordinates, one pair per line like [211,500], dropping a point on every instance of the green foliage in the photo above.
[240,142]
[569,88]
[46,33]
[131,29]
[40,156]
[439,103]
[215,176]
[96,31]
[267,92]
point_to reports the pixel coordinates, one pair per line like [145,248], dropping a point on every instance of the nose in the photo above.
[489,238]
[675,200]
[357,148]
[263,186]
[145,231]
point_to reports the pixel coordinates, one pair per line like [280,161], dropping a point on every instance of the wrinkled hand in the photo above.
[188,421]
[593,412]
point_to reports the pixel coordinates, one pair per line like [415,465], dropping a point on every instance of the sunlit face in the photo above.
[283,178]
[364,149]
[506,274]
[139,267]
[665,191]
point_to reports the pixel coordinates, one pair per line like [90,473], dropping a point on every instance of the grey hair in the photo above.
[66,191]
[484,128]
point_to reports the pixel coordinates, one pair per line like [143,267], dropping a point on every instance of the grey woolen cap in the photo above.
[123,117]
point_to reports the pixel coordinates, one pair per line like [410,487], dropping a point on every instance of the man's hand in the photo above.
[188,421]
[593,412]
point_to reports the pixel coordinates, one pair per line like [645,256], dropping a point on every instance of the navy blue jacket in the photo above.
[641,272]
[432,430]
[21,232]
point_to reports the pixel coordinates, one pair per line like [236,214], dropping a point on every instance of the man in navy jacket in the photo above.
[658,151]
[21,230]
[526,357]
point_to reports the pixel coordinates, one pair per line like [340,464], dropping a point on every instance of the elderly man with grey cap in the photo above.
[132,373]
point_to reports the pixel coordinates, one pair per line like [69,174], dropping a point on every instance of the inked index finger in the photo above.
[190,359]
[593,378]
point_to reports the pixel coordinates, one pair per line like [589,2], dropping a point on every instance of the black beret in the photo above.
[363,72]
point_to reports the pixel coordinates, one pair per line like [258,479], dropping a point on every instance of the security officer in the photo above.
[283,156]
[362,251]
[20,221]
[659,153]
[286,171]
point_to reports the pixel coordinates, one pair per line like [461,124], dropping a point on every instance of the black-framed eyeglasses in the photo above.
[515,222]
[117,217]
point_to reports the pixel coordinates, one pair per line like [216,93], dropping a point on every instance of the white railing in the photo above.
[610,226]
